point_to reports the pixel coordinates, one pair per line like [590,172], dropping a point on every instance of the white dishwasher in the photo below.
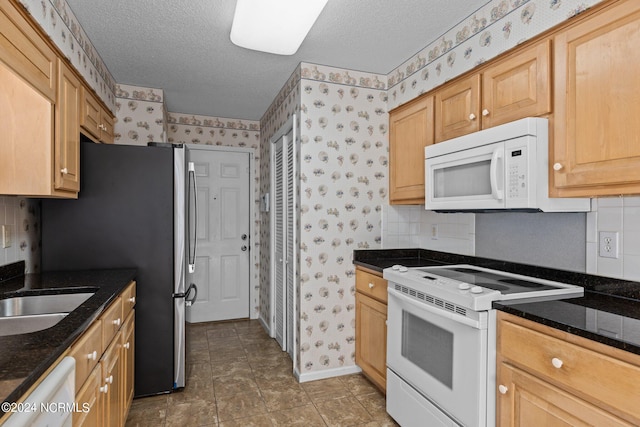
[50,404]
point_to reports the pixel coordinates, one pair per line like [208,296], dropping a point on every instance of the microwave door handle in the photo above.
[498,154]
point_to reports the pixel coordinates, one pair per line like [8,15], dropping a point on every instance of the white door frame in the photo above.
[253,251]
[289,126]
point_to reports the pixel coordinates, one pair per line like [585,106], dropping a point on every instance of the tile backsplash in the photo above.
[621,215]
[413,226]
[23,217]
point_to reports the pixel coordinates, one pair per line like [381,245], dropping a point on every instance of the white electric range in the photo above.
[441,340]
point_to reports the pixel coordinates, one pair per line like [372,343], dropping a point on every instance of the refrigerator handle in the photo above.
[187,300]
[193,238]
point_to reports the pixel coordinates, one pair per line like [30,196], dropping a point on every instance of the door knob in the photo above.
[243,237]
[244,248]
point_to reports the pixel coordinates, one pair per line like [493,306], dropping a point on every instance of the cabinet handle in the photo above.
[132,300]
[104,389]
[503,389]
[371,285]
[557,363]
[64,171]
[126,346]
[117,322]
[92,356]
[472,116]
[557,166]
[485,112]
[109,379]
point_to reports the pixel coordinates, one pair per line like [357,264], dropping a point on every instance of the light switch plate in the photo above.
[6,236]
[608,244]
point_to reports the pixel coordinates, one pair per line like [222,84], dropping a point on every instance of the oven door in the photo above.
[466,179]
[442,355]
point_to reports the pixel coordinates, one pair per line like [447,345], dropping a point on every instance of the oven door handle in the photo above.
[476,324]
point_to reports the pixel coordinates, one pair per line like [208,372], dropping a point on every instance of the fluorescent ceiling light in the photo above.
[274,26]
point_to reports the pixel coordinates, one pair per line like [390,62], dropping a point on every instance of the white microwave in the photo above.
[501,168]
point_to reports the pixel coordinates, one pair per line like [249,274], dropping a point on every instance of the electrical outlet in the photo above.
[434,231]
[6,236]
[608,244]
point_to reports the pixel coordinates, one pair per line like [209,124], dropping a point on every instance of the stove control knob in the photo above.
[396,267]
[476,290]
[464,286]
[402,269]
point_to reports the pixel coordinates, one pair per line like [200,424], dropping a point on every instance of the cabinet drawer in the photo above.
[128,299]
[87,351]
[111,321]
[371,285]
[594,376]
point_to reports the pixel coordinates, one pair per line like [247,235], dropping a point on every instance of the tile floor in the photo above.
[238,376]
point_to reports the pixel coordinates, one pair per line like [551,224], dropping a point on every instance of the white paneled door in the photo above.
[222,272]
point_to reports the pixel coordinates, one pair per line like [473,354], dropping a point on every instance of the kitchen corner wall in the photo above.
[23,216]
[343,166]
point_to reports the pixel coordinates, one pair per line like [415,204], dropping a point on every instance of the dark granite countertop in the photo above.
[25,357]
[608,313]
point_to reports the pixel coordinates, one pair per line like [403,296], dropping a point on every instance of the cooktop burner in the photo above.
[476,287]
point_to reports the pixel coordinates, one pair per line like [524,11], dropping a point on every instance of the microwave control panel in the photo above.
[516,164]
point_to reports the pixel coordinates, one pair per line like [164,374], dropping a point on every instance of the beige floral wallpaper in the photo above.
[23,216]
[140,115]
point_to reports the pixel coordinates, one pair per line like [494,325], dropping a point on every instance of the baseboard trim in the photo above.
[327,373]
[265,326]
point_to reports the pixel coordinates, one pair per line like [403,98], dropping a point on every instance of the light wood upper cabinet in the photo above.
[39,100]
[517,86]
[596,144]
[67,142]
[411,129]
[457,108]
[549,377]
[95,121]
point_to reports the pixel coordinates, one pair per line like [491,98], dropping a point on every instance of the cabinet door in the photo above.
[127,364]
[457,108]
[518,86]
[411,129]
[524,400]
[112,378]
[66,164]
[90,115]
[106,134]
[371,339]
[596,147]
[89,410]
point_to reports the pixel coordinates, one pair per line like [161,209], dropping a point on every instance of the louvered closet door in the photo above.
[279,252]
[290,241]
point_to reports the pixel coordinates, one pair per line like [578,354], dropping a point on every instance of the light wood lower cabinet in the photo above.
[104,379]
[371,326]
[553,378]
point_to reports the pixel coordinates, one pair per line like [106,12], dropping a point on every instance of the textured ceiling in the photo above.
[183,46]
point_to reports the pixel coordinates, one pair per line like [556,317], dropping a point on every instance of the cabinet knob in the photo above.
[557,166]
[503,389]
[92,356]
[109,379]
[64,171]
[117,322]
[371,285]
[127,345]
[472,116]
[485,112]
[104,389]
[132,300]
[557,363]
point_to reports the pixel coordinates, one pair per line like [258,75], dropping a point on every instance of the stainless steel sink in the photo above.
[32,313]
[41,304]
[16,325]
